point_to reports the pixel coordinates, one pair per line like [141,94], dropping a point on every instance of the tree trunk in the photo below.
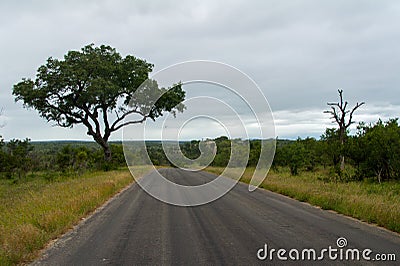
[104,144]
[379,175]
[342,140]
[107,153]
[341,162]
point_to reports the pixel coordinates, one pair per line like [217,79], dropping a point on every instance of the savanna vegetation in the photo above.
[372,153]
[47,187]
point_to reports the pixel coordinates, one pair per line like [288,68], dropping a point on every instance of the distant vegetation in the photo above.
[21,159]
[372,153]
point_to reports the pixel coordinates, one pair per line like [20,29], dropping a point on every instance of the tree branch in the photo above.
[114,126]
[93,117]
[351,114]
[334,114]
[130,123]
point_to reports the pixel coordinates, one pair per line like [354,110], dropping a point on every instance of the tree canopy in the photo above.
[94,87]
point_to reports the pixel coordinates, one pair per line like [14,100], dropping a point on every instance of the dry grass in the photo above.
[367,201]
[35,211]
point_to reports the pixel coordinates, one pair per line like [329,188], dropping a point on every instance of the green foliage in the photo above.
[255,150]
[295,156]
[376,150]
[331,146]
[223,151]
[312,152]
[79,158]
[73,158]
[117,160]
[191,149]
[16,160]
[280,155]
[50,159]
[156,154]
[373,153]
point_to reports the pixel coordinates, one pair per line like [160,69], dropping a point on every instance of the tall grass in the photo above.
[365,200]
[32,212]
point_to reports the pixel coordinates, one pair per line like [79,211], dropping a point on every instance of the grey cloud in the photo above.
[299,52]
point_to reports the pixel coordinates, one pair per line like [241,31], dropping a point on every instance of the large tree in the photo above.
[339,113]
[94,87]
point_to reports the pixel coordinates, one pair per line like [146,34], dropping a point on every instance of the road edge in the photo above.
[82,222]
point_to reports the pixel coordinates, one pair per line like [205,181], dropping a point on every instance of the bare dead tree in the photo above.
[339,112]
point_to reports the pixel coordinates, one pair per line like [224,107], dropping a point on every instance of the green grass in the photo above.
[36,210]
[367,201]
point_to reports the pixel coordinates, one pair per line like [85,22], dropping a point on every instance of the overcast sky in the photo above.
[298,52]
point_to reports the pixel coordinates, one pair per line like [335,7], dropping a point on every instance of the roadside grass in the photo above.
[365,200]
[36,210]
